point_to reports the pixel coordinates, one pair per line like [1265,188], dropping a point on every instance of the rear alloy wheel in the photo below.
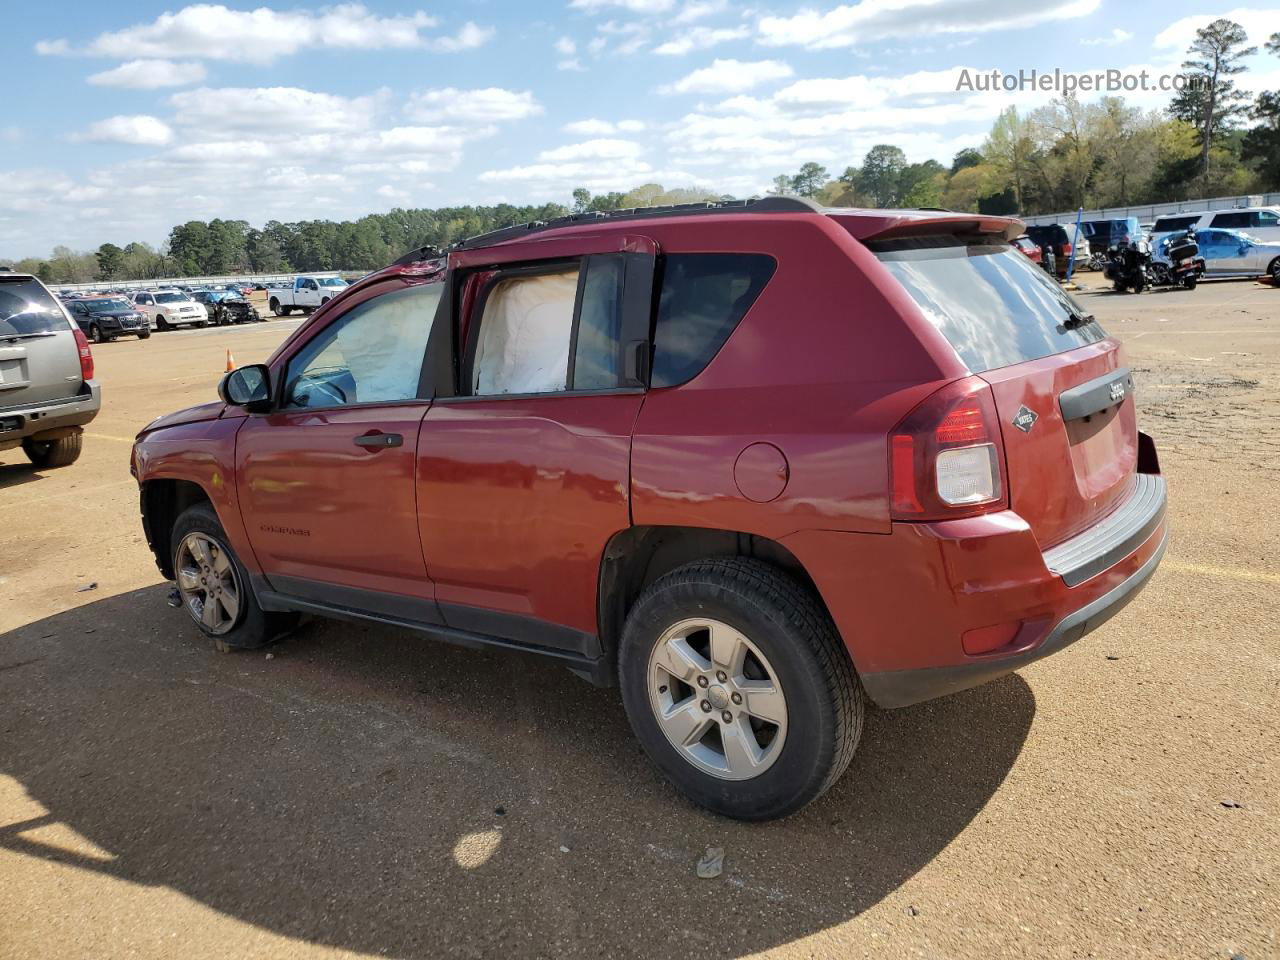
[54,453]
[214,585]
[739,688]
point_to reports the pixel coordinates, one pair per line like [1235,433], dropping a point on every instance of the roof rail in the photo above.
[759,205]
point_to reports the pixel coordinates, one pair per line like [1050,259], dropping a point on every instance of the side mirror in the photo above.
[248,387]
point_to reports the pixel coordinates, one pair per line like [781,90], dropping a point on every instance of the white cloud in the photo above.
[598,128]
[223,112]
[700,38]
[210,31]
[566,47]
[53,48]
[138,129]
[697,9]
[1258,24]
[488,104]
[634,6]
[150,74]
[872,20]
[726,76]
[573,63]
[1112,39]
[628,37]
[602,149]
[468,37]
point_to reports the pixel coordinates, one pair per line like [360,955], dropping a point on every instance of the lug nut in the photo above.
[721,676]
[702,681]
[727,717]
[737,698]
[706,707]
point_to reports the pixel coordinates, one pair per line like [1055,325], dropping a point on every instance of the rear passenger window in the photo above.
[704,296]
[551,330]
[525,327]
[1232,221]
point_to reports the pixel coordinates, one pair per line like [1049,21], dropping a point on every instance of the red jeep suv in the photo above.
[757,461]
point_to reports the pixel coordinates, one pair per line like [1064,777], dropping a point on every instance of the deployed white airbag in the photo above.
[523,345]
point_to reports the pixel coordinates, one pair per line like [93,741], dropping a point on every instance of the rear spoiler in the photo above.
[898,224]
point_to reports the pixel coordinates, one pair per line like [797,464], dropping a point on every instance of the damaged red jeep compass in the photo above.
[755,461]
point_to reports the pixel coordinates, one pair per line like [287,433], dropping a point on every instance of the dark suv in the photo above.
[754,461]
[47,390]
[105,318]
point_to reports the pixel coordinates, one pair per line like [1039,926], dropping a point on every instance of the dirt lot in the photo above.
[360,791]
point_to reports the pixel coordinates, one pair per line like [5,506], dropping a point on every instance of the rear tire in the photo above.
[62,452]
[1274,271]
[1190,282]
[214,585]
[792,655]
[277,309]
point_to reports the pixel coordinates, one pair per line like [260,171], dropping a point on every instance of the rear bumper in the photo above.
[37,420]
[901,688]
[904,602]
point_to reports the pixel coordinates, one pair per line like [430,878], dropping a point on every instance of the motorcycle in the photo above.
[1128,266]
[1179,263]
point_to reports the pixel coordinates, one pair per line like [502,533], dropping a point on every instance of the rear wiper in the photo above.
[1078,320]
[25,336]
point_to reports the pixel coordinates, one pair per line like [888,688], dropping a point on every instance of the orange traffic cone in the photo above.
[231,363]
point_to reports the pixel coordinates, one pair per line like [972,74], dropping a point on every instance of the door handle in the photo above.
[380,440]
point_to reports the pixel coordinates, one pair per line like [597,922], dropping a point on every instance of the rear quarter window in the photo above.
[703,297]
[26,308]
[1165,224]
[992,304]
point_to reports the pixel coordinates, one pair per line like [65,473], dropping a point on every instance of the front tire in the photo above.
[95,333]
[62,452]
[739,688]
[161,322]
[144,335]
[1274,271]
[214,585]
[1190,282]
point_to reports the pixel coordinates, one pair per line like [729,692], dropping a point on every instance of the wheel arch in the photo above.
[162,501]
[639,555]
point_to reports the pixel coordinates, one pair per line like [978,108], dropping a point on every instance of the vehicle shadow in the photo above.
[371,790]
[19,472]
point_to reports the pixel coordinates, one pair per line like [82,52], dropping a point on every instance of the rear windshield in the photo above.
[994,306]
[26,307]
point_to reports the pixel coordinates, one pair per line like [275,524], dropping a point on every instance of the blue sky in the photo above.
[123,119]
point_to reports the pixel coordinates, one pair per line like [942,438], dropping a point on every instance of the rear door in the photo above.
[523,474]
[39,359]
[1062,391]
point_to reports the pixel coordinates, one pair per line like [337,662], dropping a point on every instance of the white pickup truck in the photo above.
[306,294]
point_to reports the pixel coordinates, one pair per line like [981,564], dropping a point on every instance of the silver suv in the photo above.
[47,390]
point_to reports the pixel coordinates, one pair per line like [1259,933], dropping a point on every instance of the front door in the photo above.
[524,474]
[327,479]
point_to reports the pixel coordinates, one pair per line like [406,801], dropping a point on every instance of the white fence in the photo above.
[1148,212]
[252,278]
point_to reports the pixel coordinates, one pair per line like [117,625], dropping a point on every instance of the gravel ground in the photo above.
[362,791]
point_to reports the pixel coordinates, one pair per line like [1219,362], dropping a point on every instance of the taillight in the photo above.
[946,458]
[86,355]
[1066,249]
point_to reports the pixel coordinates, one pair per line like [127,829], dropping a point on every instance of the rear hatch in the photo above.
[39,359]
[1063,396]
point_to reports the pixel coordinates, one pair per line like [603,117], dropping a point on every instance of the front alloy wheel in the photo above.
[210,585]
[717,699]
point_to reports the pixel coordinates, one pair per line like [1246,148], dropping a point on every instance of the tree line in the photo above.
[1059,157]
